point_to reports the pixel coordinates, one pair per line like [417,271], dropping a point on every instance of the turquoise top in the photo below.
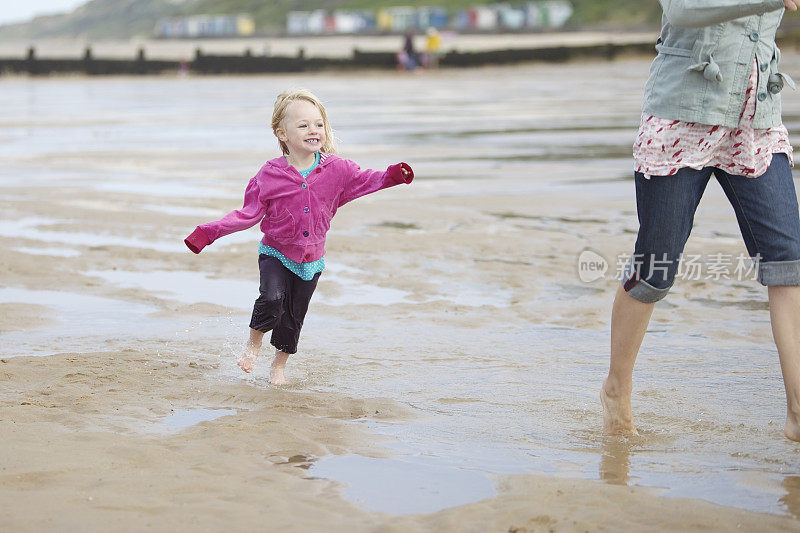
[305,271]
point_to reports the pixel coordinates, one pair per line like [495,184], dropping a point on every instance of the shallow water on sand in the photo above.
[501,353]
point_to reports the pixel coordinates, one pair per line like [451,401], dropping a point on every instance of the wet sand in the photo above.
[82,453]
[450,363]
[87,448]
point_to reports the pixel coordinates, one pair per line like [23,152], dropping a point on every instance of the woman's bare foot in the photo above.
[792,428]
[276,374]
[617,414]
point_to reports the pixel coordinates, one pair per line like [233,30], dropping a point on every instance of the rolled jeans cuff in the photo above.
[777,273]
[646,293]
[639,289]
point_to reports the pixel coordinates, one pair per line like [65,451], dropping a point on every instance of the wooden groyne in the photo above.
[248,63]
[85,65]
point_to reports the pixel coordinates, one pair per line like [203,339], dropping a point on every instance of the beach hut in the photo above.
[383,20]
[396,19]
[220,26]
[329,24]
[432,17]
[297,22]
[462,20]
[510,17]
[206,26]
[169,28]
[548,14]
[245,25]
[306,22]
[224,26]
[183,27]
[344,22]
[352,21]
[483,18]
[214,26]
[368,21]
[195,26]
[316,21]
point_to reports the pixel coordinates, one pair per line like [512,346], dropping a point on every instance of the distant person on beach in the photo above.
[407,56]
[294,197]
[433,48]
[711,107]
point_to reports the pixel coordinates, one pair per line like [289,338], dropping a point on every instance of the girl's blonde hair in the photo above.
[279,114]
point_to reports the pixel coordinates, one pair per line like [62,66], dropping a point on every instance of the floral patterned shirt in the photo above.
[664,146]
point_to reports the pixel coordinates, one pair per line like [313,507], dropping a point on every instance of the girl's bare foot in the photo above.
[247,361]
[617,414]
[276,374]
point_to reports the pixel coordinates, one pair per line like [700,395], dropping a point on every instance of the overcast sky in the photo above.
[24,10]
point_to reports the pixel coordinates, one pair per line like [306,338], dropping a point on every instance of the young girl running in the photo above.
[294,197]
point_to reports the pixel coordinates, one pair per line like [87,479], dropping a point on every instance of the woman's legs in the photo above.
[767,210]
[629,320]
[666,207]
[784,312]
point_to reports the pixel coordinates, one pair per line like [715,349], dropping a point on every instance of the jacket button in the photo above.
[318,170]
[754,36]
[762,97]
[764,67]
[305,234]
[304,185]
[305,209]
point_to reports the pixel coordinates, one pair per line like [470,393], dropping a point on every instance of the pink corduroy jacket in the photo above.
[296,213]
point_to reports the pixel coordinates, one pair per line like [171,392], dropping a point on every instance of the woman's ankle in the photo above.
[614,388]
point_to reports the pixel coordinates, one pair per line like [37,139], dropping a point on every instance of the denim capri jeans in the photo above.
[766,209]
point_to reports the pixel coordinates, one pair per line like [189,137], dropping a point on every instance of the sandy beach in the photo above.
[448,374]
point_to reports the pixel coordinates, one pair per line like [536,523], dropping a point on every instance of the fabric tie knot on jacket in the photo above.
[710,69]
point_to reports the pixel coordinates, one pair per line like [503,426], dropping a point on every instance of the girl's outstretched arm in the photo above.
[249,215]
[362,182]
[699,13]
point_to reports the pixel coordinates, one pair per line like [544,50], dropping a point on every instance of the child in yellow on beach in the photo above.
[294,197]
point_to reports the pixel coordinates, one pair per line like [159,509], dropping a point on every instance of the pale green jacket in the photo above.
[705,55]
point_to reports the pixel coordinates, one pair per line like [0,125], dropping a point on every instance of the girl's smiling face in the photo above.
[303,129]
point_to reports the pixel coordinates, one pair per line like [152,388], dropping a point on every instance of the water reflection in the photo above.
[615,461]
[406,485]
[110,319]
[181,419]
[792,498]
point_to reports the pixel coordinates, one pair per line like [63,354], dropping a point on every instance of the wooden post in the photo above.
[30,63]
[88,66]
